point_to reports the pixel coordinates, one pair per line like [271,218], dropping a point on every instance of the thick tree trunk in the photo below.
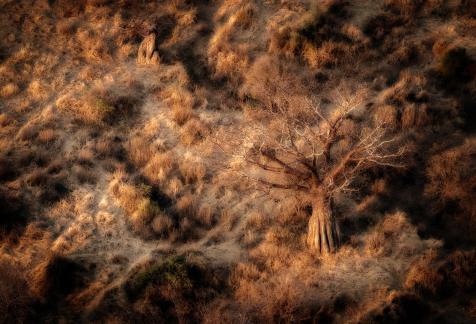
[323,233]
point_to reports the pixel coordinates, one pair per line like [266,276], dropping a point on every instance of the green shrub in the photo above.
[102,108]
[173,271]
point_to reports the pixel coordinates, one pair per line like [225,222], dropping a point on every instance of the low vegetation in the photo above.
[237,161]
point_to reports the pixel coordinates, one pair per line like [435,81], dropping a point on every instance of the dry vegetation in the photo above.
[237,161]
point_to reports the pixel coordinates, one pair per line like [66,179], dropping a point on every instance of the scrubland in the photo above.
[179,186]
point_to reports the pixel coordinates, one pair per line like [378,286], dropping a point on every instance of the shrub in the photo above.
[181,115]
[194,131]
[452,274]
[386,116]
[141,206]
[15,299]
[175,186]
[67,26]
[186,205]
[7,170]
[9,90]
[68,8]
[256,221]
[48,188]
[399,308]
[180,101]
[85,174]
[56,277]
[414,116]
[160,166]
[101,109]
[450,177]
[162,224]
[406,54]
[103,105]
[192,171]
[145,212]
[467,7]
[139,150]
[455,65]
[460,269]
[436,7]
[172,270]
[423,275]
[315,36]
[13,213]
[47,136]
[379,27]
[28,132]
[205,215]
[175,289]
[408,8]
[5,120]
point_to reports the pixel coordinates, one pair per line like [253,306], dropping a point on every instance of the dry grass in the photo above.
[450,179]
[175,186]
[162,224]
[257,221]
[227,54]
[28,132]
[414,116]
[55,277]
[85,174]
[15,298]
[387,116]
[205,215]
[5,120]
[186,205]
[144,214]
[405,7]
[192,171]
[180,101]
[66,125]
[140,151]
[47,135]
[423,275]
[160,166]
[104,104]
[9,90]
[181,115]
[194,131]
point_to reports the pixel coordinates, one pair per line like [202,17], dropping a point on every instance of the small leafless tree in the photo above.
[303,146]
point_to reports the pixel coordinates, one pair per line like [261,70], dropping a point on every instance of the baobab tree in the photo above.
[319,150]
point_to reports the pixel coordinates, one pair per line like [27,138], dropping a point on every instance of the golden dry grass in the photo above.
[194,131]
[160,166]
[192,171]
[88,139]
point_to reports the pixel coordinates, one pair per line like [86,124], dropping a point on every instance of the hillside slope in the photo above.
[124,193]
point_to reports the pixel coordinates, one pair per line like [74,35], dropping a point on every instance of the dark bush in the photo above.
[67,8]
[460,270]
[401,308]
[55,277]
[456,66]
[379,27]
[175,288]
[173,270]
[467,8]
[15,299]
[7,169]
[13,212]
